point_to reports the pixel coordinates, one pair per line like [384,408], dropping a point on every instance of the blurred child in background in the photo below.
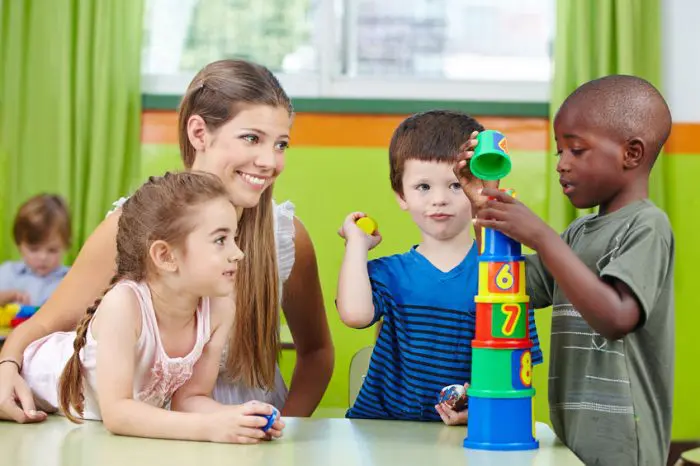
[42,233]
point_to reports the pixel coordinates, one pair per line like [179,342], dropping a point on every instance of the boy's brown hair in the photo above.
[41,216]
[433,136]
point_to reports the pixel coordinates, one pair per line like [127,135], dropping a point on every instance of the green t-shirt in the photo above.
[611,401]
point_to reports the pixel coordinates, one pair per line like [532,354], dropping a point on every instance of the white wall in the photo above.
[681,58]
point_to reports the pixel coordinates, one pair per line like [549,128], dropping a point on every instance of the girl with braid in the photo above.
[144,359]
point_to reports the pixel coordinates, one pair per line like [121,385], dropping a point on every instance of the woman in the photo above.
[234,122]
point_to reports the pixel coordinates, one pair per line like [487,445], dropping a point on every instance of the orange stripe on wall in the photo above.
[159,127]
[685,139]
[348,130]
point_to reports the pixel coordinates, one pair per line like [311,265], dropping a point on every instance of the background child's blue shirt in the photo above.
[18,276]
[429,319]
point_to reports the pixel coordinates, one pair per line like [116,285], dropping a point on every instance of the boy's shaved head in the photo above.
[626,106]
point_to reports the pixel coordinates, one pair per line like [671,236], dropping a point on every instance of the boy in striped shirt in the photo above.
[424,297]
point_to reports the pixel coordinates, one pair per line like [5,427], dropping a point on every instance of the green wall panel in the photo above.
[684,211]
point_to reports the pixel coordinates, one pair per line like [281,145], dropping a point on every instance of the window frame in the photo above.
[327,84]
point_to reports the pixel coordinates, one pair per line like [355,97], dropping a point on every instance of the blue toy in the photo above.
[26,312]
[271,418]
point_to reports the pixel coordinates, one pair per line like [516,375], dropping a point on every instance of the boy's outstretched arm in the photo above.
[609,306]
[354,295]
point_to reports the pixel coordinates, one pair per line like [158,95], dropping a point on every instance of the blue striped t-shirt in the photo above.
[425,341]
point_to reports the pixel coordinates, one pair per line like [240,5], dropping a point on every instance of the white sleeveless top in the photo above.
[228,392]
[157,376]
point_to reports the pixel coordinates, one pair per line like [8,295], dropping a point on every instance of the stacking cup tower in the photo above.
[500,395]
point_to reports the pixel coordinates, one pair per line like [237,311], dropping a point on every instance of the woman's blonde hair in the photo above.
[217,93]
[161,209]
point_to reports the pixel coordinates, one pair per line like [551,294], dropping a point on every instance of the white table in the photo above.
[307,441]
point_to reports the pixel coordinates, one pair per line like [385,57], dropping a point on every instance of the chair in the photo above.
[358,369]
[689,458]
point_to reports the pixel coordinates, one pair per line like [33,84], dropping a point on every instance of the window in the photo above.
[450,39]
[181,36]
[185,35]
[394,49]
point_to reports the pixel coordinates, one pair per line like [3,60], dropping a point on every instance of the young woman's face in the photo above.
[247,152]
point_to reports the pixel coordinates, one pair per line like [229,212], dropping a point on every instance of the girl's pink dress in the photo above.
[156,375]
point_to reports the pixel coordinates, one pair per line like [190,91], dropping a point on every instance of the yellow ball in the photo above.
[367,225]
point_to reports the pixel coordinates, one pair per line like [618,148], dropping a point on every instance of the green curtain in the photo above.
[594,39]
[70,106]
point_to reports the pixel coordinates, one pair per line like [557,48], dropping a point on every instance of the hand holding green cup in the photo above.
[490,160]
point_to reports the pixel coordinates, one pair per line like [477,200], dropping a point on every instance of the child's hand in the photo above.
[511,217]
[242,424]
[16,400]
[451,417]
[13,296]
[349,231]
[471,185]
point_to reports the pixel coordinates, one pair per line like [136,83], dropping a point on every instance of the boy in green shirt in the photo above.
[609,277]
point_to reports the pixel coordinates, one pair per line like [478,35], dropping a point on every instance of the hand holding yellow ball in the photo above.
[367,224]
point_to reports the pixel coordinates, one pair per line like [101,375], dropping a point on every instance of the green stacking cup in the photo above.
[490,160]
